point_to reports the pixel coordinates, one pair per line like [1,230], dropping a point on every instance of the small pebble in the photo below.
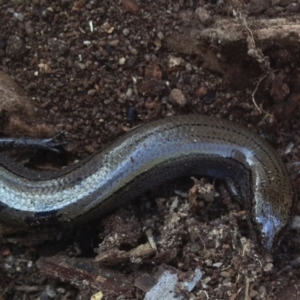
[225,274]
[262,290]
[61,290]
[178,97]
[134,51]
[174,61]
[202,91]
[129,92]
[18,16]
[253,293]
[203,16]
[160,35]
[217,265]
[130,6]
[188,67]
[147,57]
[122,61]
[125,31]
[268,267]
[29,264]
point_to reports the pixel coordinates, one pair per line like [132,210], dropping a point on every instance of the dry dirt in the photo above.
[95,69]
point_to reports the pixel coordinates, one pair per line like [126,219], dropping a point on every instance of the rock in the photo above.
[12,97]
[203,16]
[130,6]
[178,97]
[258,6]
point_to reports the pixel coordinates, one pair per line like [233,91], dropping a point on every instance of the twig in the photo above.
[247,289]
[255,90]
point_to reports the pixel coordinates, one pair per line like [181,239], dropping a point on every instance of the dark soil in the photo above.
[95,69]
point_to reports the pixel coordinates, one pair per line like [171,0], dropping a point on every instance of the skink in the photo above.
[147,156]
